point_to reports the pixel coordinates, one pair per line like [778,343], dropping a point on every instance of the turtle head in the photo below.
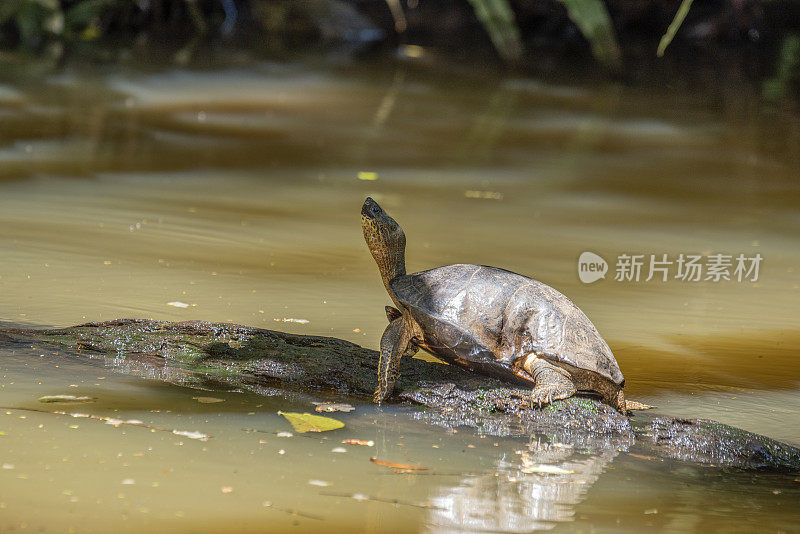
[385,239]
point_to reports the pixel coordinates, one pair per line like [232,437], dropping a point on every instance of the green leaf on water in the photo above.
[208,400]
[65,399]
[305,422]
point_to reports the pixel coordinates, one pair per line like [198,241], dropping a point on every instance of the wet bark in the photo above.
[201,353]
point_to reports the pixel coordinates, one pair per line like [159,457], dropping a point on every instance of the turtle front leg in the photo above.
[394,344]
[392,313]
[552,383]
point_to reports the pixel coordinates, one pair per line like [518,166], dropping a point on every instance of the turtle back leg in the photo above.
[394,344]
[552,383]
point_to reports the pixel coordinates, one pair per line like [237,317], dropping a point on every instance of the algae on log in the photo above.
[265,360]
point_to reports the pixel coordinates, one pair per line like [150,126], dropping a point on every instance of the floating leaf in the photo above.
[368,176]
[643,457]
[333,407]
[192,434]
[358,442]
[393,465]
[546,469]
[633,405]
[489,195]
[291,320]
[305,422]
[65,399]
[208,400]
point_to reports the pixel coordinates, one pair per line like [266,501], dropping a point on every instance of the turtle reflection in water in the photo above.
[489,320]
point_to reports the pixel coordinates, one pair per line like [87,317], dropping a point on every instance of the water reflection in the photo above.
[534,491]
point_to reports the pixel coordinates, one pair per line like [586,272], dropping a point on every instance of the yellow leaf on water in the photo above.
[368,176]
[635,405]
[208,400]
[402,467]
[305,422]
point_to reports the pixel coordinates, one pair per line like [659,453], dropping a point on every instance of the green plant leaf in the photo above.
[83,13]
[592,19]
[8,9]
[788,69]
[498,20]
[29,23]
[305,422]
[666,39]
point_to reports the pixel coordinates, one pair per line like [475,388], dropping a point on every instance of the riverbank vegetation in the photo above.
[759,38]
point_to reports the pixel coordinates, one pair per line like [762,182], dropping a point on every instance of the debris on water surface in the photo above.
[208,400]
[284,434]
[358,442]
[177,304]
[487,195]
[643,457]
[339,450]
[367,176]
[116,422]
[395,466]
[546,469]
[226,489]
[128,482]
[360,497]
[635,405]
[192,434]
[291,320]
[333,407]
[320,483]
[65,399]
[305,422]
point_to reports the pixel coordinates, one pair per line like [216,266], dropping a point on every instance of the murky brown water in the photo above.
[237,194]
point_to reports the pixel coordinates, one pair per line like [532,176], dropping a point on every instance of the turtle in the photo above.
[488,320]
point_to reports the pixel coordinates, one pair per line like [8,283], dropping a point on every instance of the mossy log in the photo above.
[263,360]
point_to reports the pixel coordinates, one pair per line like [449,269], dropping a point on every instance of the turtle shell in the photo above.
[487,319]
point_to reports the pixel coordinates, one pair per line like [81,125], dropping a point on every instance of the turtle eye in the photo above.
[375,210]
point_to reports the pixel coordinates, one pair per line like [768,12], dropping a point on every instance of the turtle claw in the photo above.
[544,395]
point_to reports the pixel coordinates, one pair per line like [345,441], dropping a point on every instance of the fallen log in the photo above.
[202,353]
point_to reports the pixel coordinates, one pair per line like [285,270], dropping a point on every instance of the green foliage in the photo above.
[498,20]
[594,22]
[666,39]
[778,86]
[38,20]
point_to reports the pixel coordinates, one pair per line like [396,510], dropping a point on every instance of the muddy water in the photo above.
[234,196]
